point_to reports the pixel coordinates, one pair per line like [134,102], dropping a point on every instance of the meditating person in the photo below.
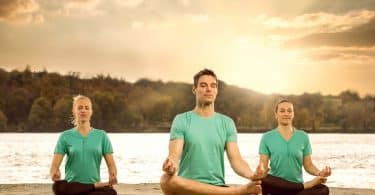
[287,150]
[198,140]
[84,147]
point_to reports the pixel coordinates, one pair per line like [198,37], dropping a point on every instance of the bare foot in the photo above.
[317,180]
[250,188]
[101,184]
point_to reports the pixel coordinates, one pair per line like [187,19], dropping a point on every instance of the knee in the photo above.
[113,192]
[266,180]
[324,190]
[164,181]
[168,182]
[58,187]
[321,190]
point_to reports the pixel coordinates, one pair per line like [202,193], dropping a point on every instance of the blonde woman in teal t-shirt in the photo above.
[287,150]
[84,147]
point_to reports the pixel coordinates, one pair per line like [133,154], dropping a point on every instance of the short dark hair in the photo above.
[281,101]
[201,73]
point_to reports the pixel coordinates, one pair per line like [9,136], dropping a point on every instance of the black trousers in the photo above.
[75,188]
[272,185]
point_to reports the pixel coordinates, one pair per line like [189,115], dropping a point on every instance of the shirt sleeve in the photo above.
[60,147]
[263,149]
[107,145]
[231,131]
[177,128]
[307,149]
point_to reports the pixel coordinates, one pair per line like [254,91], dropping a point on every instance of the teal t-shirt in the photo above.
[204,145]
[286,157]
[84,154]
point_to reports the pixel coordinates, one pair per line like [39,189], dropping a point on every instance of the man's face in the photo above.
[206,90]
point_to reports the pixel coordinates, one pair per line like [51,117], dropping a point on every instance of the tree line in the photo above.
[42,102]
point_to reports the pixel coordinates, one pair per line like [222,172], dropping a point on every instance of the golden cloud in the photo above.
[20,12]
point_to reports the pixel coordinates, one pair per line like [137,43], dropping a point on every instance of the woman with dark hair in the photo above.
[287,150]
[84,147]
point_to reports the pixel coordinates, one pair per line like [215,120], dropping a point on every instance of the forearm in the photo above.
[242,169]
[309,166]
[56,162]
[173,157]
[112,169]
[55,166]
[111,164]
[53,169]
[175,151]
[312,169]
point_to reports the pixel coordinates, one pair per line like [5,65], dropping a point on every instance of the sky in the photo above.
[273,46]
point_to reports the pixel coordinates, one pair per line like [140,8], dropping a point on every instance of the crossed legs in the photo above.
[176,185]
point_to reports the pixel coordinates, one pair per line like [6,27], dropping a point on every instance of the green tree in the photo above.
[331,108]
[108,110]
[302,118]
[119,105]
[313,103]
[62,112]
[54,86]
[358,115]
[160,112]
[131,117]
[3,77]
[267,115]
[3,90]
[3,121]
[144,98]
[40,117]
[349,96]
[17,106]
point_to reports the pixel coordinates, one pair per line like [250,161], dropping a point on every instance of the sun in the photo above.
[258,66]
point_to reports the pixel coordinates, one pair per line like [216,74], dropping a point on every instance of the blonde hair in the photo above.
[75,100]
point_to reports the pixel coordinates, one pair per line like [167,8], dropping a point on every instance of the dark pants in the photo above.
[75,188]
[272,185]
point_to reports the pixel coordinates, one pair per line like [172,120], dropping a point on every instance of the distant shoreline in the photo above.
[143,188]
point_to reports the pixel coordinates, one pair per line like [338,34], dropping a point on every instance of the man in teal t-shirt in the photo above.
[198,140]
[205,139]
